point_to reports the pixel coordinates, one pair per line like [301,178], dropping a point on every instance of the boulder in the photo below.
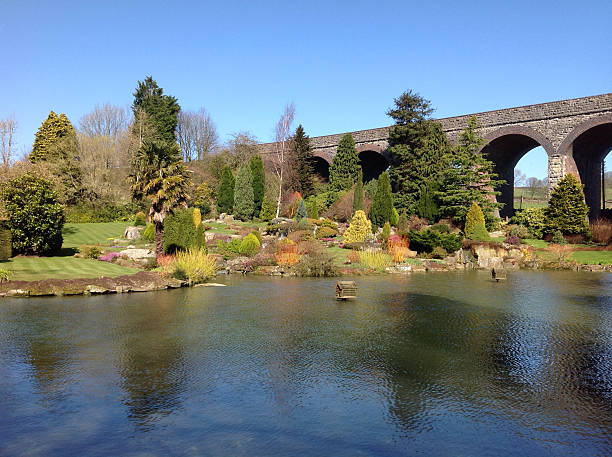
[133,233]
[138,255]
[18,293]
[281,220]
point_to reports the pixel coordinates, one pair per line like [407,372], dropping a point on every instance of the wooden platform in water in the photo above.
[346,290]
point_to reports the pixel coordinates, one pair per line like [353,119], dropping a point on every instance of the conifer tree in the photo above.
[474,218]
[427,206]
[243,198]
[469,177]
[382,206]
[258,175]
[567,210]
[301,212]
[418,147]
[304,167]
[358,193]
[344,170]
[53,130]
[159,111]
[225,194]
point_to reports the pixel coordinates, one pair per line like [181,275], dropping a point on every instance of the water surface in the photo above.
[444,364]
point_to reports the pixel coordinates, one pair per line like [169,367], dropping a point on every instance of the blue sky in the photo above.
[341,63]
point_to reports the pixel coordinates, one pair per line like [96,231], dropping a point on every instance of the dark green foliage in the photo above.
[370,188]
[358,193]
[200,237]
[35,216]
[566,209]
[301,211]
[418,147]
[268,210]
[304,167]
[519,230]
[225,194]
[386,232]
[148,234]
[381,210]
[427,206]
[442,228]
[140,219]
[468,178]
[344,170]
[179,232]
[101,212]
[533,219]
[439,253]
[312,207]
[230,248]
[426,240]
[243,194]
[258,177]
[53,130]
[473,218]
[161,111]
[558,238]
[6,246]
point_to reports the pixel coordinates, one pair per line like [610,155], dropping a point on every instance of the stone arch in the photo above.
[373,161]
[320,165]
[505,147]
[586,147]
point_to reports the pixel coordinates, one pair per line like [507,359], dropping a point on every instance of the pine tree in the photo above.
[566,209]
[418,147]
[304,167]
[358,193]
[161,111]
[382,206]
[243,199]
[258,175]
[301,212]
[474,218]
[427,206]
[225,194]
[469,177]
[344,170]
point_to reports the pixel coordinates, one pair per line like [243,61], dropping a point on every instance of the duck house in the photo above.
[345,290]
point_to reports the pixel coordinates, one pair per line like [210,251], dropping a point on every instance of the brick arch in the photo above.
[565,147]
[520,130]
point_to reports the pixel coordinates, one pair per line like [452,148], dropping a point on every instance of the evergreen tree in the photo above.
[304,167]
[225,194]
[468,178]
[427,206]
[258,175]
[418,147]
[344,170]
[301,212]
[474,218]
[161,111]
[243,199]
[566,209]
[382,206]
[358,193]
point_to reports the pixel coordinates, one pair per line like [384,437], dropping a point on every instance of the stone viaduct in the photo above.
[576,135]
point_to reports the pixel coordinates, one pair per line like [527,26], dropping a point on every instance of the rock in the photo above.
[222,216]
[138,255]
[133,233]
[209,236]
[18,293]
[210,284]
[93,289]
[281,220]
[497,234]
[411,254]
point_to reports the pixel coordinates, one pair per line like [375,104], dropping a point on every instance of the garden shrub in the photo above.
[473,218]
[520,231]
[6,247]
[316,263]
[312,207]
[439,253]
[558,238]
[200,237]
[533,219]
[101,212]
[268,210]
[359,228]
[229,248]
[398,248]
[301,211]
[287,253]
[356,246]
[197,217]
[513,239]
[342,209]
[375,259]
[258,235]
[244,203]
[140,219]
[602,231]
[91,252]
[479,233]
[35,216]
[109,256]
[426,240]
[386,232]
[326,232]
[394,217]
[301,235]
[250,245]
[566,209]
[193,265]
[441,227]
[381,210]
[5,274]
[179,232]
[148,234]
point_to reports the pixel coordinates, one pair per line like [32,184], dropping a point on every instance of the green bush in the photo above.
[250,245]
[102,212]
[381,210]
[566,209]
[6,245]
[439,253]
[375,260]
[35,216]
[386,232]
[179,232]
[193,265]
[520,231]
[473,218]
[326,232]
[558,238]
[532,218]
[91,252]
[140,219]
[5,274]
[148,234]
[230,248]
[426,240]
[258,235]
[441,227]
[479,233]
[394,217]
[358,229]
[301,211]
[268,210]
[316,263]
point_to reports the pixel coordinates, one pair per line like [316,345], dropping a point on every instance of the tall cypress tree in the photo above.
[225,194]
[258,176]
[358,193]
[468,178]
[304,168]
[243,199]
[382,205]
[344,170]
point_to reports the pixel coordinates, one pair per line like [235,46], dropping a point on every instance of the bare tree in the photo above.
[241,146]
[7,144]
[519,178]
[281,148]
[535,184]
[196,134]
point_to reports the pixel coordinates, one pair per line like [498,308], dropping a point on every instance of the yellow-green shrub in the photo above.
[250,245]
[359,228]
[197,217]
[326,232]
[193,265]
[376,260]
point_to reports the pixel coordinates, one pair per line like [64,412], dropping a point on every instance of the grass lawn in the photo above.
[37,268]
[592,257]
[93,233]
[339,255]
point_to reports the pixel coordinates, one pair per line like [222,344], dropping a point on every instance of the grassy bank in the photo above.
[37,268]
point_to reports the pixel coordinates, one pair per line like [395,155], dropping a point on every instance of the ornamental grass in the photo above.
[193,265]
[398,248]
[375,259]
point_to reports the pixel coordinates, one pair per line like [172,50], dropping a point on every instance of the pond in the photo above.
[438,364]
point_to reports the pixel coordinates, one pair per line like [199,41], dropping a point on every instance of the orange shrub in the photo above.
[164,260]
[353,256]
[287,253]
[398,248]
